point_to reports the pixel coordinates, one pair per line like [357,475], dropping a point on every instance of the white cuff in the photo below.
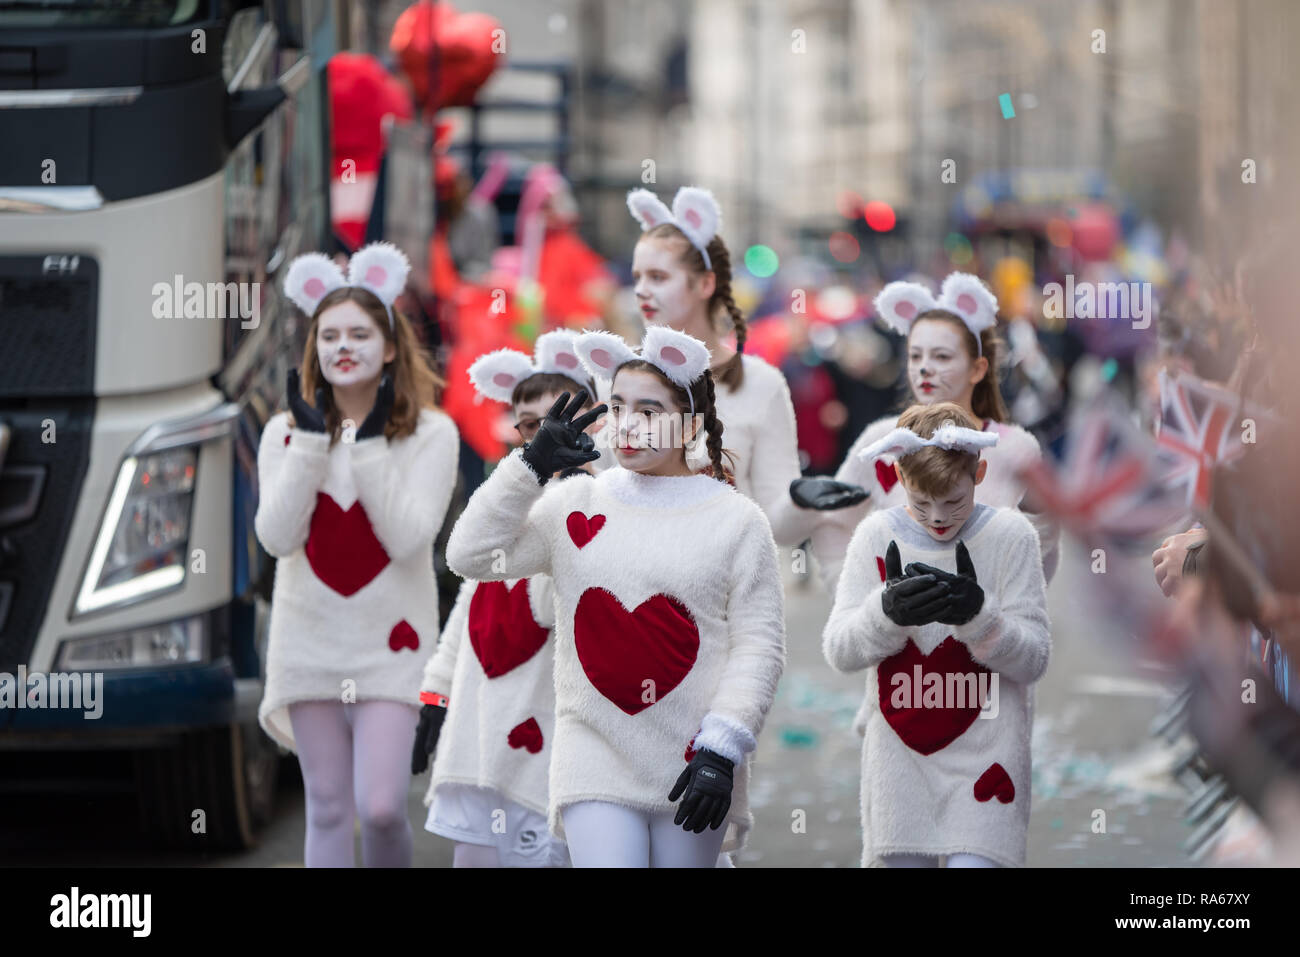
[981,633]
[724,736]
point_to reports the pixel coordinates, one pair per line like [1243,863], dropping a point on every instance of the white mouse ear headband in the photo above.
[682,358]
[695,212]
[381,268]
[950,436]
[899,303]
[495,374]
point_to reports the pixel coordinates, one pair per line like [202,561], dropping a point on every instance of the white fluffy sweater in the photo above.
[354,611]
[941,779]
[670,630]
[495,663]
[1000,489]
[758,428]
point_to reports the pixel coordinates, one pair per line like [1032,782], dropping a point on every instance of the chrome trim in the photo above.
[295,78]
[45,199]
[45,99]
[264,36]
[204,427]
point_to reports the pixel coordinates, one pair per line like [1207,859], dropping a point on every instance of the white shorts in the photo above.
[472,815]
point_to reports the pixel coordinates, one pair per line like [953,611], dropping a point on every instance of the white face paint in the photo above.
[647,425]
[349,347]
[942,516]
[939,368]
[665,292]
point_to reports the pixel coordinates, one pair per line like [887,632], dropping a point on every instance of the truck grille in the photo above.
[47,321]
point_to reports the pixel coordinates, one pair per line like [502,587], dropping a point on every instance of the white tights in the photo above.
[356,762]
[600,834]
[925,860]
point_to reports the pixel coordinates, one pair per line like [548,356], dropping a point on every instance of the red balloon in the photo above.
[1096,231]
[465,56]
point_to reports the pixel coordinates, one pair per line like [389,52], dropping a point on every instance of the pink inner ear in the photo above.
[693,217]
[504,379]
[601,358]
[966,302]
[314,288]
[376,275]
[566,360]
[905,310]
[672,354]
[649,218]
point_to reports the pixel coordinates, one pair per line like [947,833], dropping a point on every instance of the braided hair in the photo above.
[704,396]
[732,372]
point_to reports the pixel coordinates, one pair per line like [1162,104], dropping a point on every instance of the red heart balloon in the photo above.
[583,529]
[885,475]
[922,729]
[501,627]
[526,735]
[341,546]
[620,649]
[995,782]
[403,636]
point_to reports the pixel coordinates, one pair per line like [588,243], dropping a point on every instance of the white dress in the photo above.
[354,611]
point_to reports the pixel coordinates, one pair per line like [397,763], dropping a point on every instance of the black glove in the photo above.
[304,416]
[912,600]
[965,597]
[426,735]
[824,494]
[378,417]
[561,441]
[707,785]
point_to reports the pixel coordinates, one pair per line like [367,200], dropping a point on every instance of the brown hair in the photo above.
[543,383]
[932,470]
[702,391]
[732,372]
[415,385]
[986,400]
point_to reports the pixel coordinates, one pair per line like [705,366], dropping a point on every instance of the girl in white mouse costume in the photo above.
[353,488]
[681,272]
[669,624]
[952,356]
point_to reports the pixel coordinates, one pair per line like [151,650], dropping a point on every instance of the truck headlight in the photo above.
[144,535]
[179,642]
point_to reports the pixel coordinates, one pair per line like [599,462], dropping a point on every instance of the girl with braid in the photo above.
[681,271]
[669,626]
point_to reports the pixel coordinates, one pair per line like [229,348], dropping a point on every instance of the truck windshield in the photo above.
[98,13]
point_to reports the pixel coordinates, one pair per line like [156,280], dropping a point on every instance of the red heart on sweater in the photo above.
[689,754]
[995,782]
[583,529]
[341,546]
[923,729]
[880,566]
[403,636]
[501,627]
[620,650]
[526,735]
[885,475]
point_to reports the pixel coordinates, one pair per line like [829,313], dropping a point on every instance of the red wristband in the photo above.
[432,697]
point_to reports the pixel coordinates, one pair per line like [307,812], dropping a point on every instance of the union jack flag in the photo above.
[1200,428]
[1109,483]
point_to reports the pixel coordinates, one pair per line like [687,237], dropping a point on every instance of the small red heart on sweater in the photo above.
[341,546]
[880,565]
[885,475]
[502,630]
[995,782]
[526,735]
[403,636]
[927,730]
[286,440]
[583,529]
[690,747]
[621,650]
